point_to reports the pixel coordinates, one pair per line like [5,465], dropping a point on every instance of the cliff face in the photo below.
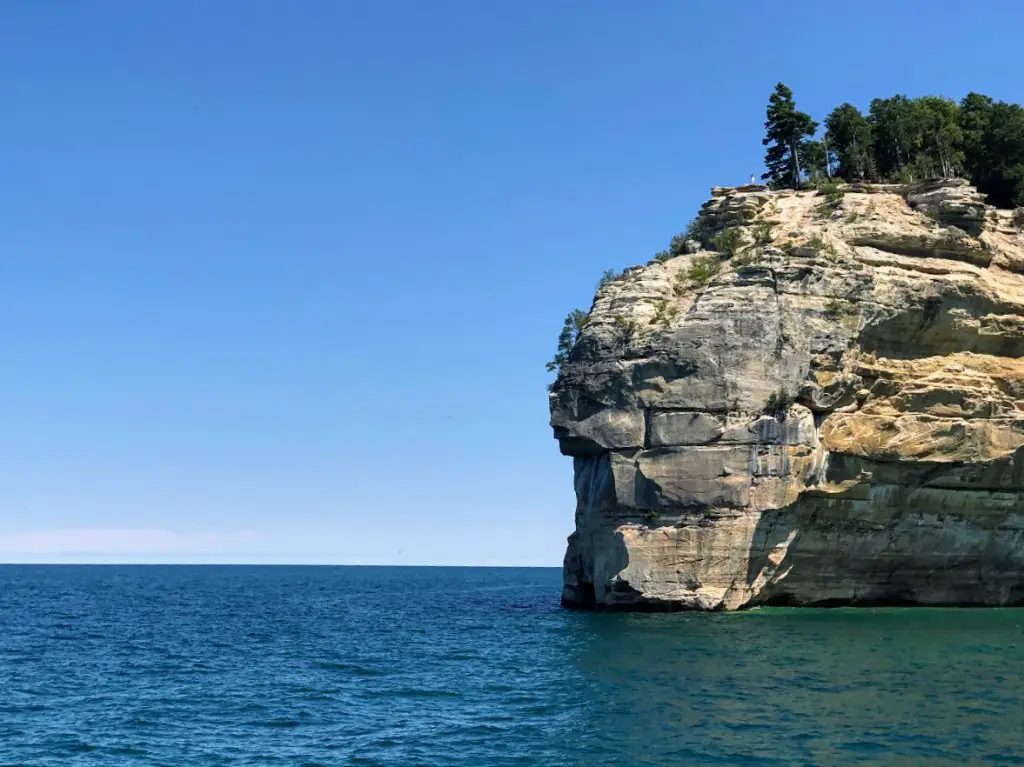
[894,319]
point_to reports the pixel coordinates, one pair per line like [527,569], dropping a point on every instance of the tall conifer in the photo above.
[786,129]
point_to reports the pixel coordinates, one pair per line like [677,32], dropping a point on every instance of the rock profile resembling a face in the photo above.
[825,406]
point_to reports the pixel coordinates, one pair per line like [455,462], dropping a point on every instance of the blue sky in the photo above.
[280,279]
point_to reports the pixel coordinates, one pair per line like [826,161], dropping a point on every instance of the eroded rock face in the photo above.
[895,323]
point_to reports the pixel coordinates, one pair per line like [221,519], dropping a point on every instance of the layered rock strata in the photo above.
[834,416]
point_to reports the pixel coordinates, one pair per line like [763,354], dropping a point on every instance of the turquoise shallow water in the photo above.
[479,667]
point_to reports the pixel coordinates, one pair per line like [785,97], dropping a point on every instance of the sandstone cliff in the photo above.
[835,416]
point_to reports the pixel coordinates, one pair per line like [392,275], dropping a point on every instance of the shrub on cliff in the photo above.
[703,269]
[778,402]
[694,230]
[608,276]
[677,245]
[728,242]
[573,325]
[833,192]
[626,329]
[764,232]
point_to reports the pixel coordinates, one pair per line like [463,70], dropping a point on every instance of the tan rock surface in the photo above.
[896,322]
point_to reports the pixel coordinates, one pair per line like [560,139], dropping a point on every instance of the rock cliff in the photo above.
[832,413]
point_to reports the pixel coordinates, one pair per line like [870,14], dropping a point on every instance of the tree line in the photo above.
[900,139]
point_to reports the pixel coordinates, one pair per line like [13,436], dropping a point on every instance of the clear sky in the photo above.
[280,278]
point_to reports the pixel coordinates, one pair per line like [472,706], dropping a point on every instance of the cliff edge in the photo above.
[826,409]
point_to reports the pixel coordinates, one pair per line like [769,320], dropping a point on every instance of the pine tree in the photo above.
[786,129]
[849,136]
[574,323]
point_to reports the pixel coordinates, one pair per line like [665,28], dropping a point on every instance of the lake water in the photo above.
[479,667]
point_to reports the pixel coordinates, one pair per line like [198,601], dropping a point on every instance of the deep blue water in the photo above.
[480,667]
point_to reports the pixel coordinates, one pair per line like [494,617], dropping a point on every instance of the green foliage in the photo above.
[901,139]
[695,230]
[608,276]
[993,143]
[652,515]
[572,327]
[764,232]
[625,328]
[729,241]
[677,245]
[819,245]
[941,137]
[816,160]
[895,137]
[833,192]
[702,269]
[1018,218]
[785,131]
[778,403]
[664,313]
[746,258]
[849,136]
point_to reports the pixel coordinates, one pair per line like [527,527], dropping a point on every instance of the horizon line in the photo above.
[270,564]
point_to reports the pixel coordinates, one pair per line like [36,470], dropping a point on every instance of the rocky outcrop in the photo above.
[834,416]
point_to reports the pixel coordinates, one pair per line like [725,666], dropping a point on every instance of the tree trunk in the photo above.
[796,164]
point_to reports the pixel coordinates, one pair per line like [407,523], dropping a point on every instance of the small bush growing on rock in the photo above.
[764,232]
[1018,218]
[728,242]
[608,276]
[833,192]
[677,245]
[746,258]
[664,313]
[625,328]
[695,230]
[819,245]
[778,402]
[703,269]
[652,515]
[661,257]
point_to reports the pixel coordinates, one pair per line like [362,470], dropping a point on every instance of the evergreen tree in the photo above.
[574,323]
[849,136]
[786,129]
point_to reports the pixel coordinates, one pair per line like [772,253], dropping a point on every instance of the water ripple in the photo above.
[439,667]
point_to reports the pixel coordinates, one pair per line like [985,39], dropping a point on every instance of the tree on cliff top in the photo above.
[574,323]
[849,134]
[786,130]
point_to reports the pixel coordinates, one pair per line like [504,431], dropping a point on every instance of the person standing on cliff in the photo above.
[753,182]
